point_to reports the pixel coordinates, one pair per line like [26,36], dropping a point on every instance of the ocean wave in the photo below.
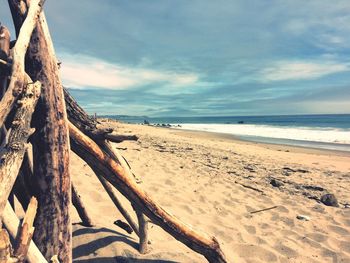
[314,134]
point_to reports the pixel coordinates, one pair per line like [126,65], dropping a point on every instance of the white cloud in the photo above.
[80,71]
[299,70]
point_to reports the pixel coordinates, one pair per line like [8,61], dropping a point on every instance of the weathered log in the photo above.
[26,231]
[18,79]
[12,224]
[53,232]
[80,207]
[143,229]
[107,186]
[120,138]
[116,175]
[88,126]
[14,151]
[100,134]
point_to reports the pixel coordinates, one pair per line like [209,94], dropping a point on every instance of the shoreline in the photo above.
[241,139]
[271,144]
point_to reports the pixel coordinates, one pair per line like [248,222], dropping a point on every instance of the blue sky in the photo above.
[203,57]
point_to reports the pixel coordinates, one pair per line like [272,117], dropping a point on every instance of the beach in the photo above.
[218,185]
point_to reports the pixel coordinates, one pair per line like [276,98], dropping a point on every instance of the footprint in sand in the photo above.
[286,250]
[96,196]
[250,229]
[187,209]
[317,237]
[169,182]
[339,230]
[249,251]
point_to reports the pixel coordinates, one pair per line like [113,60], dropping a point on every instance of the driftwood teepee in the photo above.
[37,114]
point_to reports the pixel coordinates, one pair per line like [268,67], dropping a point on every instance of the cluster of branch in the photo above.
[34,89]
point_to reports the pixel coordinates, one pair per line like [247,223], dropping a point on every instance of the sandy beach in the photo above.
[214,183]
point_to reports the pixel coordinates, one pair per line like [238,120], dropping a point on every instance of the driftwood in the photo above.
[51,147]
[18,79]
[25,234]
[265,209]
[12,224]
[115,174]
[50,144]
[250,187]
[209,248]
[80,207]
[120,138]
[143,229]
[14,151]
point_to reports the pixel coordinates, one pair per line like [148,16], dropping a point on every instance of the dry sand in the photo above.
[198,177]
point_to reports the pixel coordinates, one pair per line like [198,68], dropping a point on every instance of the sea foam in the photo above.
[314,134]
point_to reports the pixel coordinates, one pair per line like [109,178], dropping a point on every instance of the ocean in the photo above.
[331,131]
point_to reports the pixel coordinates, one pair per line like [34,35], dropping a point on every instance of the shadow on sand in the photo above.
[93,245]
[122,260]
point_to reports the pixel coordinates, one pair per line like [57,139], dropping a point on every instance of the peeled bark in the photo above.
[14,151]
[116,175]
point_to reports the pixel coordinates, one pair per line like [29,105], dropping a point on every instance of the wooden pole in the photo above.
[53,233]
[80,207]
[143,228]
[116,175]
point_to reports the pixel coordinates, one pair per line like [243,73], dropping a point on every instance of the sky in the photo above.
[203,57]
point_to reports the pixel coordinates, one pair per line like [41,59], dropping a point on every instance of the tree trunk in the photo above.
[101,163]
[53,233]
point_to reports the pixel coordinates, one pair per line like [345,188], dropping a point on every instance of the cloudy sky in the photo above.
[203,57]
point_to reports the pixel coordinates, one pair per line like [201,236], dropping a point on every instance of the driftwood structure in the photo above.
[38,115]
